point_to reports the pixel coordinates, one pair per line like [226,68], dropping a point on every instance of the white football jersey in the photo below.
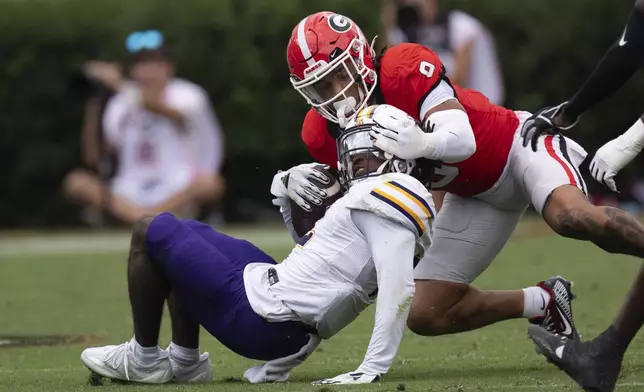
[331,276]
[152,147]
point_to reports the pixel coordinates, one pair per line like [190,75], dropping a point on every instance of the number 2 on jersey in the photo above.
[427,69]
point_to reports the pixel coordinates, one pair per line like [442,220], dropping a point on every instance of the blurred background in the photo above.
[217,68]
[533,52]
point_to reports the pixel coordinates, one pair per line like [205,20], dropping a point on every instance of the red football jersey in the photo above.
[408,74]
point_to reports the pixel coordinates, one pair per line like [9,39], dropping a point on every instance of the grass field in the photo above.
[62,287]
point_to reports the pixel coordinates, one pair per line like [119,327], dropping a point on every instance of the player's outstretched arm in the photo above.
[424,92]
[613,156]
[392,248]
[618,65]
[445,135]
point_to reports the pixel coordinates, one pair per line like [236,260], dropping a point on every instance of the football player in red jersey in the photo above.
[490,181]
[489,178]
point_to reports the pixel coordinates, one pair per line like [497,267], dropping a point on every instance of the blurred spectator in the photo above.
[162,131]
[463,44]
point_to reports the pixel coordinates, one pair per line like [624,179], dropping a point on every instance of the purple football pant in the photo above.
[206,269]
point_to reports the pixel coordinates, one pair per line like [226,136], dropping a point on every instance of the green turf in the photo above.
[86,294]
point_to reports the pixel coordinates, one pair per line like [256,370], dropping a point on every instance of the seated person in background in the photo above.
[163,132]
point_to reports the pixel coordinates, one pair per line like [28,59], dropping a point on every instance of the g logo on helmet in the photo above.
[339,23]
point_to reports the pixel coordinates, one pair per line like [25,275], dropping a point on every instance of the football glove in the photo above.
[542,123]
[349,378]
[398,134]
[296,184]
[610,159]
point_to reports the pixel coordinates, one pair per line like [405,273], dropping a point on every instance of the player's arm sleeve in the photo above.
[617,66]
[278,189]
[392,246]
[451,138]
[419,73]
[285,210]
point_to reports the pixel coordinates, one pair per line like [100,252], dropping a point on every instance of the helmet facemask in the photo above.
[340,88]
[359,159]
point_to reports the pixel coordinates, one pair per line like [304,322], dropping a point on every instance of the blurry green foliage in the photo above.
[236,50]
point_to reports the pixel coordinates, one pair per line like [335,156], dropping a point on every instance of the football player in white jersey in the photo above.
[364,247]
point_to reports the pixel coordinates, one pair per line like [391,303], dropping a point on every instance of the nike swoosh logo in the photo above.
[622,40]
[559,351]
[543,303]
[568,329]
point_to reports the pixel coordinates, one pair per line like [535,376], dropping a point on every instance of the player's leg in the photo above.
[596,364]
[140,359]
[557,190]
[266,339]
[468,234]
[206,270]
[188,365]
[569,213]
[631,317]
[147,286]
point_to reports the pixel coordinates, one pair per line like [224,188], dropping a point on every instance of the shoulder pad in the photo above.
[397,197]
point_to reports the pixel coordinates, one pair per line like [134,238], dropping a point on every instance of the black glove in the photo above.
[542,123]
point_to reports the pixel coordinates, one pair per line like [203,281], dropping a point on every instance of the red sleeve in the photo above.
[318,140]
[408,73]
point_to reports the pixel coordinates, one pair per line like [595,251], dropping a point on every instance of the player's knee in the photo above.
[437,308]
[427,323]
[427,319]
[569,214]
[418,323]
[140,230]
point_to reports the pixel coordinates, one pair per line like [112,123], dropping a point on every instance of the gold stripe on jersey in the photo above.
[416,199]
[365,114]
[401,207]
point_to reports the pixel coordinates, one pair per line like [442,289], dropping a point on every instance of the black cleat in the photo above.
[558,318]
[593,369]
[95,379]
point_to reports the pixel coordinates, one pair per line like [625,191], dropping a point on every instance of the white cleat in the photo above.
[201,371]
[120,363]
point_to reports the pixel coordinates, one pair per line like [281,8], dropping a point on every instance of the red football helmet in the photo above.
[332,65]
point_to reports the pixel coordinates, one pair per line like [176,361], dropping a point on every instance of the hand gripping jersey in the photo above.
[332,275]
[408,74]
